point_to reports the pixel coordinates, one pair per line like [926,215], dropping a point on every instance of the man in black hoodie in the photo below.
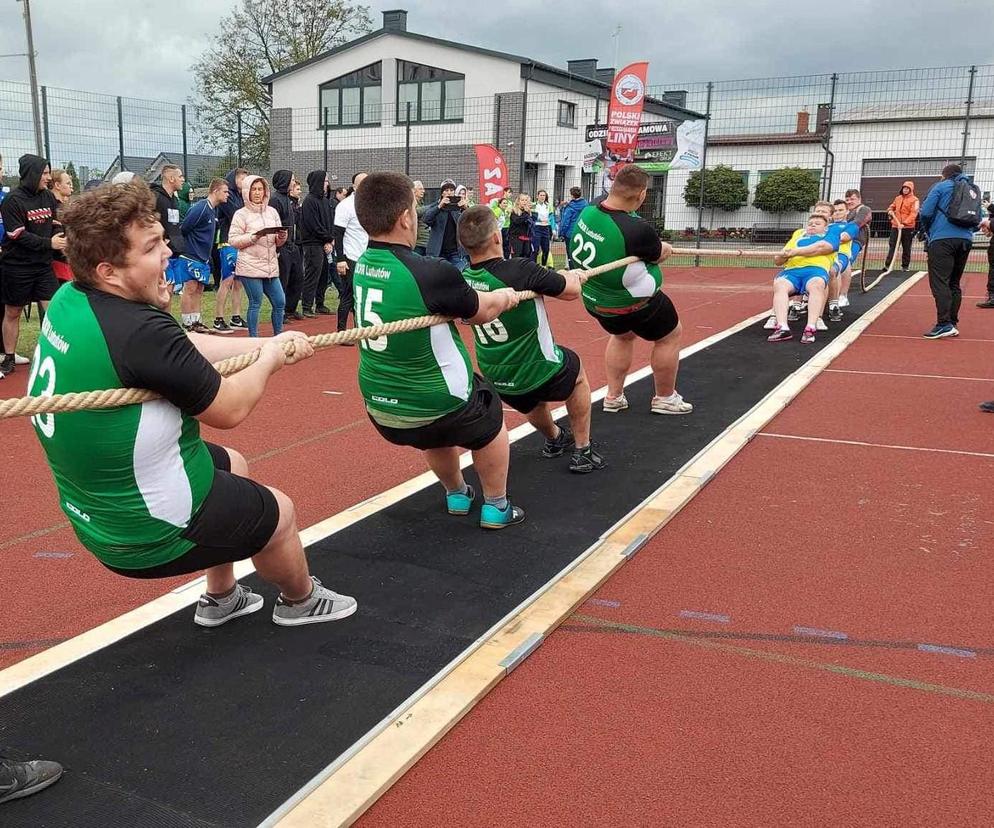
[317,234]
[284,201]
[28,242]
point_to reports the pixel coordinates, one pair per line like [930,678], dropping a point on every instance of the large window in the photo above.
[433,94]
[567,114]
[353,99]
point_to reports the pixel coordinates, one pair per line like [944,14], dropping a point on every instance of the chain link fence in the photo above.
[865,130]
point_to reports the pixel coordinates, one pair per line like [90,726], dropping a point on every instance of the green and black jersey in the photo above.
[602,235]
[516,351]
[129,478]
[411,379]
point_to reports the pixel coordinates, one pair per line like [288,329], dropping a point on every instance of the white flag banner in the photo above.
[690,146]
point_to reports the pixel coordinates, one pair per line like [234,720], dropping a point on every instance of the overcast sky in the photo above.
[130,48]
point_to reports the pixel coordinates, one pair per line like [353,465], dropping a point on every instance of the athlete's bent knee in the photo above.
[239,465]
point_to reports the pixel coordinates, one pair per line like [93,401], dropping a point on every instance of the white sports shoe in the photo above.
[771,324]
[843,301]
[21,360]
[612,405]
[820,324]
[670,405]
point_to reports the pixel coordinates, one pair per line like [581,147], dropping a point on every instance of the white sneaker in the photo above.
[670,405]
[323,605]
[843,301]
[771,324]
[820,324]
[612,405]
[21,360]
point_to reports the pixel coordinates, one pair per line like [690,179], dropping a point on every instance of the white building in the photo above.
[356,98]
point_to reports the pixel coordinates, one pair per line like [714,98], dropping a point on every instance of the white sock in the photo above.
[189,318]
[671,398]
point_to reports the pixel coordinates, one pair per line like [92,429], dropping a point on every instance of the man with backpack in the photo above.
[950,216]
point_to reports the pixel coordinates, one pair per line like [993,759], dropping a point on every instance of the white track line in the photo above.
[110,632]
[871,445]
[901,374]
[924,339]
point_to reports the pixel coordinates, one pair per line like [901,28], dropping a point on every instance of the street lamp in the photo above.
[33,76]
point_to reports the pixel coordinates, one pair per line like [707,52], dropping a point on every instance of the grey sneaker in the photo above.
[323,605]
[213,612]
[19,779]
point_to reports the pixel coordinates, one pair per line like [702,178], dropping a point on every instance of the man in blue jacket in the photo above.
[948,249]
[568,219]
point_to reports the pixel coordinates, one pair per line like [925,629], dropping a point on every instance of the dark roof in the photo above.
[198,167]
[132,163]
[745,139]
[543,72]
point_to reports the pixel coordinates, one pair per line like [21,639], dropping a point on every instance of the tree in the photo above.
[259,38]
[70,169]
[791,189]
[724,189]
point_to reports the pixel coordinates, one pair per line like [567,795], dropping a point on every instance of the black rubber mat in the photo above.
[181,726]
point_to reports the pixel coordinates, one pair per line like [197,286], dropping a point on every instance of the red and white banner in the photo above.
[493,175]
[624,112]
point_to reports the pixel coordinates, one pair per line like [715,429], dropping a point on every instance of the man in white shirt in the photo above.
[350,243]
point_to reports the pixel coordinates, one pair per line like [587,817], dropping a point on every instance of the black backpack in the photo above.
[964,206]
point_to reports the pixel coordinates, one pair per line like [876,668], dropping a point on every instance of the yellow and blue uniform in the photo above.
[799,270]
[844,256]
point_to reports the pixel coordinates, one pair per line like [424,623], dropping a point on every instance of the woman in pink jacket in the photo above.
[258,266]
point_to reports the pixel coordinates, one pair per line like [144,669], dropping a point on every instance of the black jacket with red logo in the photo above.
[28,213]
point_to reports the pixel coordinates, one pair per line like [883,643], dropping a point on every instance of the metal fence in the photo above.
[865,130]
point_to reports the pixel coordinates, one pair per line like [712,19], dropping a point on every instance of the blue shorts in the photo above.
[856,248]
[228,256]
[181,270]
[841,263]
[800,276]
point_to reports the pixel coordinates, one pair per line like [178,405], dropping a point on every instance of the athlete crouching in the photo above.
[142,491]
[419,386]
[517,352]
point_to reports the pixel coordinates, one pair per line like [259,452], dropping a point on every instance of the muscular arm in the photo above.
[492,305]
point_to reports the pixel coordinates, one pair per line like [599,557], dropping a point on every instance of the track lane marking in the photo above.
[902,374]
[833,440]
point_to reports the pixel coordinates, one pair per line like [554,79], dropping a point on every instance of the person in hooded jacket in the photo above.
[257,267]
[317,237]
[903,212]
[229,290]
[28,242]
[285,201]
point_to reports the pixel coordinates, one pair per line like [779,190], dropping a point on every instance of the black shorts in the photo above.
[556,389]
[21,288]
[235,521]
[472,427]
[652,322]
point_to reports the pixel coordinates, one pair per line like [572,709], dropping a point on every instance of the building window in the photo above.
[354,99]
[567,114]
[433,94]
[913,167]
[764,174]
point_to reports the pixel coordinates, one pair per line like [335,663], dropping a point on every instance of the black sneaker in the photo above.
[987,406]
[987,303]
[19,779]
[7,364]
[198,327]
[586,460]
[834,313]
[238,322]
[325,311]
[221,327]
[297,316]
[309,314]
[557,447]
[793,313]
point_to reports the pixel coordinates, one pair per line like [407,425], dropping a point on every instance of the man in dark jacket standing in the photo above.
[316,239]
[228,287]
[568,218]
[948,249]
[27,243]
[443,219]
[284,201]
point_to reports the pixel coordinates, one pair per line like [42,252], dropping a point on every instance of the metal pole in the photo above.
[966,120]
[325,139]
[407,141]
[44,123]
[704,166]
[496,120]
[239,138]
[120,135]
[827,168]
[33,76]
[524,123]
[186,162]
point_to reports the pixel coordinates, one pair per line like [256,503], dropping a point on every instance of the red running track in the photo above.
[318,447]
[691,689]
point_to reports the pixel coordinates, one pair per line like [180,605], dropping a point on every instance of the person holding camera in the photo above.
[443,219]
